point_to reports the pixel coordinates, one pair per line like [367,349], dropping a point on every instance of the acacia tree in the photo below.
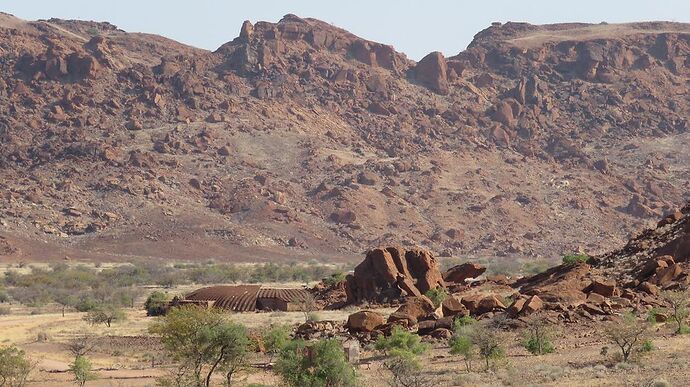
[106,314]
[627,334]
[200,338]
[678,307]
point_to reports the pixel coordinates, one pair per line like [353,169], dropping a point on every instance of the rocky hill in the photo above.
[299,140]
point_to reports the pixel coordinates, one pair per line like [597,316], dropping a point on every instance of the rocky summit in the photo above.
[298,140]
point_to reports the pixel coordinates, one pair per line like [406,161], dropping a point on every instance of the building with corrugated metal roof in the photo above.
[246,298]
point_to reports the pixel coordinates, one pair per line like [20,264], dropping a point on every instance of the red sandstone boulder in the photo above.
[451,307]
[431,71]
[460,273]
[392,272]
[414,309]
[364,321]
[606,288]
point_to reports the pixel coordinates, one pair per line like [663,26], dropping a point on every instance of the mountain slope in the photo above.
[299,140]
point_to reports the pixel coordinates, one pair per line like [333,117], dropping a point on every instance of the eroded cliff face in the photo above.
[300,140]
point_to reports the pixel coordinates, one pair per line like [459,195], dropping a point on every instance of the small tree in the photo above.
[488,343]
[81,345]
[320,364]
[461,344]
[106,314]
[406,370]
[538,337]
[82,370]
[307,305]
[437,295]
[627,334]
[678,307]
[202,339]
[14,367]
[275,339]
[156,304]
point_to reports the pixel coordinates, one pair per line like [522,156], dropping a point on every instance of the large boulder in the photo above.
[460,273]
[391,272]
[413,310]
[432,71]
[478,304]
[364,321]
[452,307]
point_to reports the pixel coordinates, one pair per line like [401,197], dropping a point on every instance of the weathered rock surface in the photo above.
[392,272]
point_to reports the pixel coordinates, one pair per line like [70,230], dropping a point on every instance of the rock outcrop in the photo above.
[392,272]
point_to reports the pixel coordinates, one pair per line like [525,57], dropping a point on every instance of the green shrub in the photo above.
[461,344]
[82,370]
[275,339]
[463,321]
[334,279]
[437,295]
[320,364]
[401,340]
[14,367]
[538,338]
[646,346]
[570,259]
[156,304]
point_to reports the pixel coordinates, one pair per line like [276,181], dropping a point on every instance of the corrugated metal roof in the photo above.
[242,298]
[287,295]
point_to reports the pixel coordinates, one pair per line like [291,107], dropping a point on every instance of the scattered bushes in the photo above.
[437,295]
[5,310]
[14,367]
[320,364]
[570,259]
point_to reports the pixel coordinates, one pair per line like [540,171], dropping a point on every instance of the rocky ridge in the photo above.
[298,140]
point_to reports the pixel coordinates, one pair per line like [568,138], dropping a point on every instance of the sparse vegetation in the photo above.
[320,364]
[334,279]
[461,344]
[14,367]
[437,295]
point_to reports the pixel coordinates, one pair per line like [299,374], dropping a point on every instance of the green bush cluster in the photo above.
[570,259]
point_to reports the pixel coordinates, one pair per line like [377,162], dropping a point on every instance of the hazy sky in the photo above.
[413,27]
